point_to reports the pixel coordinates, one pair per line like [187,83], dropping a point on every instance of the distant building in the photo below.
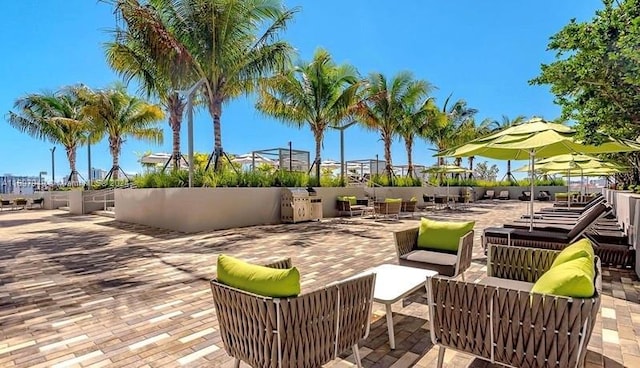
[98,174]
[12,184]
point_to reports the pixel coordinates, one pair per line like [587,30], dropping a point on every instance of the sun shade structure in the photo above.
[536,139]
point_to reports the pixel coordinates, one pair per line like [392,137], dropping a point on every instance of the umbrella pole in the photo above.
[532,157]
[569,188]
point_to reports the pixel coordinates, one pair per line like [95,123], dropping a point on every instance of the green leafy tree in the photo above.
[127,56]
[118,116]
[385,102]
[412,120]
[228,45]
[485,172]
[56,117]
[318,93]
[596,75]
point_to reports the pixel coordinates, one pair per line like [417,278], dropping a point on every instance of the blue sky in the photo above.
[480,51]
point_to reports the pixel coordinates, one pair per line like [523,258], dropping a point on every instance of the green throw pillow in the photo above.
[393,200]
[256,279]
[442,235]
[413,199]
[353,200]
[573,279]
[581,248]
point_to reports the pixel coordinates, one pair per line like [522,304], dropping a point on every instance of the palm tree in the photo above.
[228,45]
[496,126]
[385,102]
[412,121]
[119,116]
[126,56]
[319,93]
[55,117]
[442,128]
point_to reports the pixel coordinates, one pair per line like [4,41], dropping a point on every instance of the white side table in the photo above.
[393,283]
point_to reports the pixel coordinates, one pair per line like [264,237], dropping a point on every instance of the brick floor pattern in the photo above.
[88,291]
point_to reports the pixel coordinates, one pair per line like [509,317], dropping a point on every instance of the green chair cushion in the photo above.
[392,200]
[573,278]
[581,248]
[266,281]
[353,200]
[442,235]
[413,199]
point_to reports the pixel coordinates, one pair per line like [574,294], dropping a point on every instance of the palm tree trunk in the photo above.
[318,138]
[408,143]
[471,158]
[71,156]
[215,109]
[387,154]
[114,147]
[175,107]
[509,170]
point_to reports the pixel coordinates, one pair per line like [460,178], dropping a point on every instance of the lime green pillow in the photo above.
[353,200]
[442,235]
[573,278]
[256,279]
[413,199]
[581,248]
[393,200]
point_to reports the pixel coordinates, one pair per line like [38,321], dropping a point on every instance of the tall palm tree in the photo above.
[383,104]
[412,121]
[442,128]
[56,117]
[319,93]
[126,56]
[505,123]
[119,116]
[228,45]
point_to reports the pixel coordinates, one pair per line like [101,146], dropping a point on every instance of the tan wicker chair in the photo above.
[447,264]
[387,209]
[408,208]
[305,331]
[500,320]
[345,207]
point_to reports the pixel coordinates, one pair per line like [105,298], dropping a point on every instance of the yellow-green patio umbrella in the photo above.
[536,139]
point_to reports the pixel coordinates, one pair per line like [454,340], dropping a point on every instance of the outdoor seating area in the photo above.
[187,319]
[20,203]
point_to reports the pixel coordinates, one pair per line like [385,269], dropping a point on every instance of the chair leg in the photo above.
[236,363]
[356,355]
[462,274]
[441,356]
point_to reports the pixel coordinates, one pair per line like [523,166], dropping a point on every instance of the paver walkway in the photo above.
[91,291]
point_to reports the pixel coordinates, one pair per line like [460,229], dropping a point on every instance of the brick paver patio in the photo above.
[91,291]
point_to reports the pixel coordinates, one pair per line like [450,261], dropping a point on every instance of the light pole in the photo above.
[342,129]
[190,94]
[53,166]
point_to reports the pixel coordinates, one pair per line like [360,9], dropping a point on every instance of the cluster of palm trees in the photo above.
[76,115]
[233,48]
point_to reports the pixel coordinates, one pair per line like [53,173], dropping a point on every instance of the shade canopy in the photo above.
[250,158]
[537,137]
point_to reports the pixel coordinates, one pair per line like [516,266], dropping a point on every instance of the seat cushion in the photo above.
[581,248]
[573,279]
[266,281]
[507,284]
[393,200]
[442,235]
[442,262]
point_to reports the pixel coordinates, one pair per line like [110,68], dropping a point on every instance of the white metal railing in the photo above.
[104,196]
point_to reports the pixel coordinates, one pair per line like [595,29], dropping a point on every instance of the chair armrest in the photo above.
[280,264]
[406,241]
[465,253]
[519,263]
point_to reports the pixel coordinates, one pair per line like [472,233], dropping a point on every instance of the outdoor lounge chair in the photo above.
[304,331]
[345,207]
[504,194]
[447,264]
[20,202]
[4,203]
[408,208]
[544,195]
[499,319]
[387,209]
[489,194]
[526,196]
[37,201]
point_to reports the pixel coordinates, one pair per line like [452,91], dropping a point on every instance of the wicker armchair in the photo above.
[387,209]
[447,264]
[500,320]
[345,207]
[408,207]
[305,331]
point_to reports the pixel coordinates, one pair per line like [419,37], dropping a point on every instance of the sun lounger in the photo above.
[489,194]
[504,194]
[526,196]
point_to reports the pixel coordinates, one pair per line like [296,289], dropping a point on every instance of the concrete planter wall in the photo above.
[198,209]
